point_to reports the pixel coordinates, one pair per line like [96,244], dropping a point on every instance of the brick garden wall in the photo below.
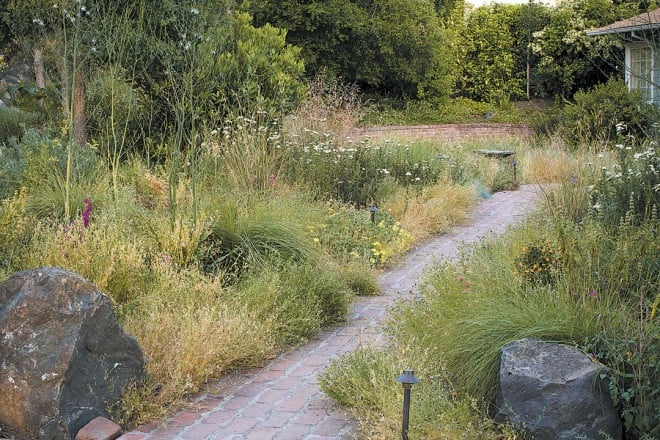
[446,132]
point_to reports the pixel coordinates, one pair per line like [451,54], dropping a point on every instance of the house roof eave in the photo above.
[642,22]
[624,30]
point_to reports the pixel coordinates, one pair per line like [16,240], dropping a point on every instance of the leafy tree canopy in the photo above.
[488,67]
[569,59]
[398,46]
[187,64]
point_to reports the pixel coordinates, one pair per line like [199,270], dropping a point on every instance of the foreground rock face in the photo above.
[63,356]
[554,392]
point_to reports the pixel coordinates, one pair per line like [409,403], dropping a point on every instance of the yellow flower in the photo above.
[316,240]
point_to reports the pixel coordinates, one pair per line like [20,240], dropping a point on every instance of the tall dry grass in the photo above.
[332,107]
[428,211]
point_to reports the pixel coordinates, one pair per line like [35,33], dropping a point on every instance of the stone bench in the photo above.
[499,154]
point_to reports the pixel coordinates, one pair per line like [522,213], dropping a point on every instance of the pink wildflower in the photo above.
[86,213]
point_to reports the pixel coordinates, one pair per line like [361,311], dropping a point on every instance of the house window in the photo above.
[642,74]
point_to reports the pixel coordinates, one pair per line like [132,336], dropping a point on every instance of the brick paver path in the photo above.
[282,400]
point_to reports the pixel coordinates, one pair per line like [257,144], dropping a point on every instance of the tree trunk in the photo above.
[39,75]
[78,108]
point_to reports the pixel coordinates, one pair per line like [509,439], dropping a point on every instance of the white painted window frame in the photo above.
[654,84]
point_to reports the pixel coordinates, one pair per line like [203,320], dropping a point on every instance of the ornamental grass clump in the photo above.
[293,302]
[247,154]
[242,237]
[364,380]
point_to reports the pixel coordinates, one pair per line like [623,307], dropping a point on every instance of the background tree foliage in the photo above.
[392,46]
[569,60]
[488,66]
[159,70]
[510,48]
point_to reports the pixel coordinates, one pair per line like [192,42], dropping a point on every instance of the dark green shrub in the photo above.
[45,103]
[13,122]
[39,163]
[635,372]
[602,114]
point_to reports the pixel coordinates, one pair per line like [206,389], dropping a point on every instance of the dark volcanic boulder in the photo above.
[64,358]
[555,392]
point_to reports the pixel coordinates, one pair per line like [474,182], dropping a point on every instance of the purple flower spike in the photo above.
[86,213]
[593,293]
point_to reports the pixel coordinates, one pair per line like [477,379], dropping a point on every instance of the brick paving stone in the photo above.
[328,351]
[304,370]
[185,418]
[273,395]
[218,417]
[100,428]
[293,432]
[241,425]
[206,404]
[262,434]
[329,427]
[148,427]
[287,383]
[257,409]
[133,436]
[165,433]
[267,376]
[296,401]
[278,419]
[322,402]
[284,364]
[199,431]
[317,359]
[252,389]
[311,416]
[238,402]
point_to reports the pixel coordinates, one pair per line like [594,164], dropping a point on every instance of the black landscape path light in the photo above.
[515,164]
[407,379]
[372,210]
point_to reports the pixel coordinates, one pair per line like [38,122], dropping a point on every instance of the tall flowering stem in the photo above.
[86,213]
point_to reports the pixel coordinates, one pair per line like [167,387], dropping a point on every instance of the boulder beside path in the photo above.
[64,358]
[555,392]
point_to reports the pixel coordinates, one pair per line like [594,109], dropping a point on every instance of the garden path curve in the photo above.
[282,400]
